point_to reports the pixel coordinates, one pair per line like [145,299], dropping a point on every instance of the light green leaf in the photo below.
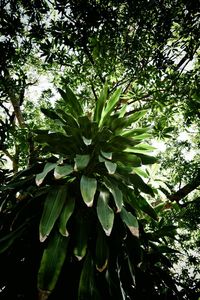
[51,263]
[123,111]
[62,171]
[66,213]
[81,161]
[105,213]
[130,221]
[111,167]
[144,205]
[88,188]
[139,171]
[116,193]
[47,168]
[52,208]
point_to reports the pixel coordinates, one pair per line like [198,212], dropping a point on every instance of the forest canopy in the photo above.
[99,149]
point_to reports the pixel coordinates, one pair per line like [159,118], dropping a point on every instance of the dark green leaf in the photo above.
[66,213]
[47,168]
[130,221]
[104,212]
[71,100]
[88,188]
[52,262]
[52,208]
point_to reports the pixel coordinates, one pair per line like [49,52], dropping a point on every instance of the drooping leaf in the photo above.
[147,159]
[130,221]
[51,263]
[107,155]
[100,103]
[82,231]
[62,171]
[71,100]
[111,167]
[144,205]
[86,141]
[66,213]
[105,213]
[138,182]
[81,161]
[41,176]
[116,193]
[102,252]
[52,208]
[88,188]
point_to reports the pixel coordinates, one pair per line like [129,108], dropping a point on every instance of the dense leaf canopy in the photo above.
[88,91]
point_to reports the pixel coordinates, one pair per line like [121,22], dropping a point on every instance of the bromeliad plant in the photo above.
[86,199]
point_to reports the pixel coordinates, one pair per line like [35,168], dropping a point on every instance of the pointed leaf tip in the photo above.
[88,188]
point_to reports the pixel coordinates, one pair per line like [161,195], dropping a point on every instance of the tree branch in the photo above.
[187,189]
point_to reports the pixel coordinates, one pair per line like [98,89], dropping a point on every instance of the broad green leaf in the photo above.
[116,193]
[144,205]
[71,100]
[111,102]
[51,114]
[141,148]
[105,213]
[47,168]
[66,213]
[130,221]
[107,155]
[102,252]
[81,161]
[52,208]
[100,103]
[88,188]
[51,263]
[147,159]
[62,171]
[138,182]
[111,167]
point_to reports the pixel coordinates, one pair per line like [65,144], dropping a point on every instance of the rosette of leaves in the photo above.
[89,195]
